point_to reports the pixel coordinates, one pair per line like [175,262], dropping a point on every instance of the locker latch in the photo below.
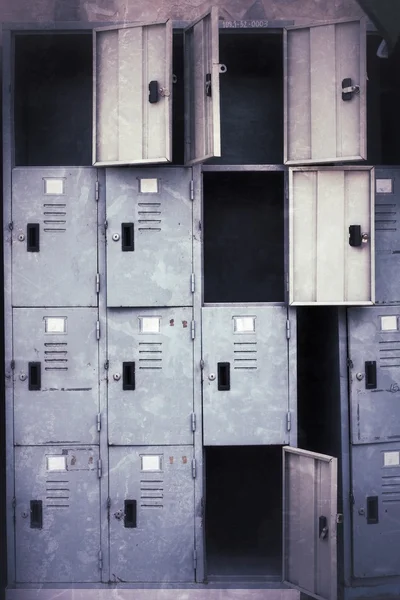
[356,238]
[155,92]
[348,89]
[323,527]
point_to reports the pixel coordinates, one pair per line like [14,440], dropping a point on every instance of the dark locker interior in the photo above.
[53,99]
[243,518]
[251,98]
[383,100]
[243,226]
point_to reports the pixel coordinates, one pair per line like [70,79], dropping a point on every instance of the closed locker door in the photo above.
[150,391]
[57,515]
[387,236]
[245,375]
[56,388]
[149,237]
[376,510]
[374,358]
[152,514]
[54,237]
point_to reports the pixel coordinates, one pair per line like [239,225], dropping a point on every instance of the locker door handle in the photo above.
[323,527]
[348,89]
[127,237]
[355,236]
[34,376]
[372,510]
[208,85]
[128,376]
[130,516]
[224,376]
[36,514]
[370,375]
[153,92]
[32,237]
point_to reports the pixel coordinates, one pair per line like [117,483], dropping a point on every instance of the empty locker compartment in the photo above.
[53,91]
[151,516]
[243,237]
[57,514]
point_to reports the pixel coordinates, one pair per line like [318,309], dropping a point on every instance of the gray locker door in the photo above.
[387,236]
[202,97]
[376,510]
[245,375]
[54,237]
[150,391]
[132,105]
[57,524]
[152,514]
[56,395]
[374,352]
[327,264]
[149,237]
[325,121]
[309,522]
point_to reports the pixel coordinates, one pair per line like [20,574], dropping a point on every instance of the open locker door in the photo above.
[325,93]
[309,522]
[202,97]
[132,93]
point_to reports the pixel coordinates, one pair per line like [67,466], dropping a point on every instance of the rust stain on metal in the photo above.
[184,459]
[90,460]
[171,460]
[172,322]
[73,460]
[184,323]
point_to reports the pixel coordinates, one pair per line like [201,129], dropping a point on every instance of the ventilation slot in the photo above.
[55,218]
[245,356]
[56,356]
[57,493]
[149,216]
[152,493]
[389,354]
[150,355]
[385,217]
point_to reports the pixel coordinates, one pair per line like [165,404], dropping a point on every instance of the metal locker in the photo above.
[325,90]
[387,238]
[56,381]
[374,358]
[331,235]
[132,104]
[57,524]
[152,514]
[202,95]
[150,391]
[54,236]
[149,237]
[246,375]
[309,522]
[376,510]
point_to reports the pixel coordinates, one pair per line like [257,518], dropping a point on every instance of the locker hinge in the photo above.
[287,282]
[351,499]
[97,330]
[98,420]
[12,364]
[100,560]
[288,420]
[193,328]
[191,189]
[97,191]
[194,558]
[202,364]
[11,226]
[99,468]
[97,283]
[287,329]
[14,503]
[349,363]
[108,502]
[106,364]
[194,468]
[193,420]
[192,283]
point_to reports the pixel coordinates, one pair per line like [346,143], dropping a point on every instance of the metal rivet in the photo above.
[116,237]
[211,376]
[21,237]
[22,376]
[117,376]
[360,376]
[223,68]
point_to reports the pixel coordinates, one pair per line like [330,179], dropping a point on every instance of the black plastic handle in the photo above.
[370,375]
[323,527]
[36,514]
[355,236]
[153,92]
[32,237]
[127,237]
[224,376]
[347,83]
[208,85]
[128,376]
[34,376]
[130,518]
[372,510]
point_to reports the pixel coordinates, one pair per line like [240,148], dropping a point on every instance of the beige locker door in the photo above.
[130,124]
[324,123]
[202,97]
[309,522]
[330,209]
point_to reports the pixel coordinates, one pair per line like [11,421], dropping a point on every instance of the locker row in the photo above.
[333,242]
